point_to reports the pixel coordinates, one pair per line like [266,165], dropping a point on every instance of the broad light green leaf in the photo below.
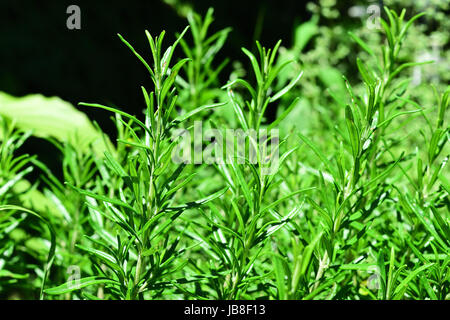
[52,117]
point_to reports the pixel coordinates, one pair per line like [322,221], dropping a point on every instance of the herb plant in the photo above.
[344,194]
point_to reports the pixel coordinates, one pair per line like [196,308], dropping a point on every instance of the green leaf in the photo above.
[115,165]
[116,202]
[319,153]
[361,43]
[256,69]
[400,290]
[243,83]
[352,131]
[52,118]
[197,110]
[9,274]
[51,253]
[278,262]
[117,111]
[76,285]
[284,198]
[283,91]
[138,56]
[11,182]
[307,253]
[197,203]
[367,77]
[238,110]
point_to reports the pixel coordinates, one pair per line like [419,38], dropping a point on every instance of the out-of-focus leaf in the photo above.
[72,285]
[52,117]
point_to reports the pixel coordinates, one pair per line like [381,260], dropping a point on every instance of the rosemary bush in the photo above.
[343,195]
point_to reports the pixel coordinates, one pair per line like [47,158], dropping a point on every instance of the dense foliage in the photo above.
[356,207]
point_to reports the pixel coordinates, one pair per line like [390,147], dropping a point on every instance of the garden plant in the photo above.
[307,174]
